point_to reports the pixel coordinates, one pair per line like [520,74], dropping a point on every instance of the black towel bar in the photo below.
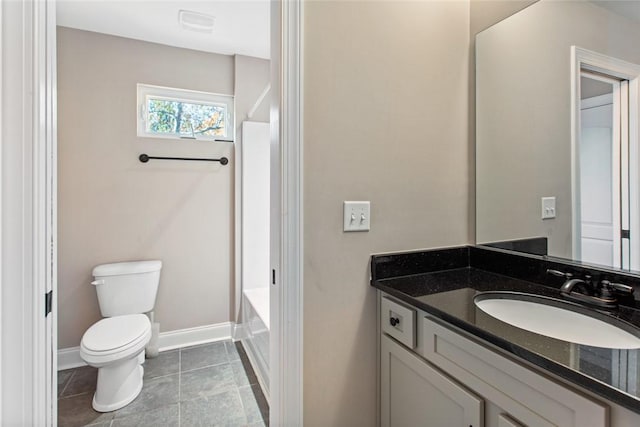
[144,158]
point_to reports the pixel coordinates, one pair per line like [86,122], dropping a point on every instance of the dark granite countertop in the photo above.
[448,295]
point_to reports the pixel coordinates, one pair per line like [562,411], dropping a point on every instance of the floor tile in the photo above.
[239,374]
[206,381]
[165,416]
[262,403]
[63,379]
[84,380]
[219,409]
[223,390]
[251,409]
[232,351]
[204,355]
[77,411]
[255,386]
[155,393]
[166,363]
[251,375]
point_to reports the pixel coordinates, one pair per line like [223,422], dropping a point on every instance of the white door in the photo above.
[602,146]
[599,183]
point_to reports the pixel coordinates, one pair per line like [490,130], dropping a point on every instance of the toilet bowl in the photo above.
[115,345]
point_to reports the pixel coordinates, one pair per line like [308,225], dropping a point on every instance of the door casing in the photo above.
[583,59]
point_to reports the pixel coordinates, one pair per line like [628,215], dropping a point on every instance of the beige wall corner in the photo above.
[385,120]
[251,78]
[485,13]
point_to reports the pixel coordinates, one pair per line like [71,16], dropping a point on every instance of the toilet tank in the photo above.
[127,287]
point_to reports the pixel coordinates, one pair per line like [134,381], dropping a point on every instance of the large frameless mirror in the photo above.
[557,146]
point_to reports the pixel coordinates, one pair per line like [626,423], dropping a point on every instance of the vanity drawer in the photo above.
[398,321]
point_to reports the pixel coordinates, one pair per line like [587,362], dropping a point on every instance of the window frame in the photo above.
[145,91]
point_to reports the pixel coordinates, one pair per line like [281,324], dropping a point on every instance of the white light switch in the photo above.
[357,216]
[548,207]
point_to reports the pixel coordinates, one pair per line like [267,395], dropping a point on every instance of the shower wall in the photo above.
[255,205]
[255,246]
[252,76]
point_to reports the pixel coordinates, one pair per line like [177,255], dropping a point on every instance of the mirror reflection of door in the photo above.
[604,203]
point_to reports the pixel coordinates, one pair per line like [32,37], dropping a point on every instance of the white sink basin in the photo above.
[557,319]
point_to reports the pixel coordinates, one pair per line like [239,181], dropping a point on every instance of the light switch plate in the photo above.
[357,216]
[548,207]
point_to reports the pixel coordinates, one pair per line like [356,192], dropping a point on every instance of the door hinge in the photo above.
[625,234]
[273,277]
[48,303]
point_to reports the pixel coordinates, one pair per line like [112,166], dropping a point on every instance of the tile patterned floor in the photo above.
[207,385]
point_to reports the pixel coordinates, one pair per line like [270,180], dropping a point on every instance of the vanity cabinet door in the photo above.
[413,393]
[531,399]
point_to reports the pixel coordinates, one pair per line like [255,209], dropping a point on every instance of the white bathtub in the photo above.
[255,308]
[259,300]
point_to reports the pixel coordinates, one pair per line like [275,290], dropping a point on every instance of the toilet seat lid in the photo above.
[115,332]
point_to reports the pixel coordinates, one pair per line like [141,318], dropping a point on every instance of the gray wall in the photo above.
[524,131]
[114,208]
[385,120]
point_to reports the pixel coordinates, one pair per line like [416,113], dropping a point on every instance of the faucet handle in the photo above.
[559,273]
[620,287]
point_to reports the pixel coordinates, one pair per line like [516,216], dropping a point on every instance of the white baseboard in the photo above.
[70,357]
[194,336]
[239,332]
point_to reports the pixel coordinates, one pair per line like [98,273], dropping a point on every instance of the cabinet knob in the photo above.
[394,321]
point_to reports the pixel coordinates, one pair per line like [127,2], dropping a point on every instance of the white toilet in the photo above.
[115,345]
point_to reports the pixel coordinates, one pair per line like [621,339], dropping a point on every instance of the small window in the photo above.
[179,113]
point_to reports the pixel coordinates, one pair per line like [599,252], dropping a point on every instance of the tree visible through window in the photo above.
[176,113]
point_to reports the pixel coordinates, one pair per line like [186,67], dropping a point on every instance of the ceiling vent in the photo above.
[196,21]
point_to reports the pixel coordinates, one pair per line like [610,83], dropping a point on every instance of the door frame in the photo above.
[28,245]
[583,59]
[286,296]
[27,213]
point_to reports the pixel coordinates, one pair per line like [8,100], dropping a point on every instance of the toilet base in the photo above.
[118,384]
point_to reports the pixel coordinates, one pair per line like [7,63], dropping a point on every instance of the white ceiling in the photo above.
[241,26]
